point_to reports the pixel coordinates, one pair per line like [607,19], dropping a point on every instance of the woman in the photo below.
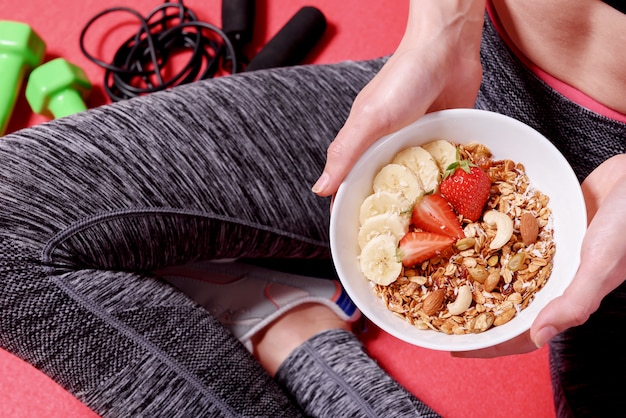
[98,206]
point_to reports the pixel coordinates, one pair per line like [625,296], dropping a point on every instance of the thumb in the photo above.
[573,308]
[349,144]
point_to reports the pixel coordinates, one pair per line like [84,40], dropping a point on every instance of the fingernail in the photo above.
[321,183]
[544,335]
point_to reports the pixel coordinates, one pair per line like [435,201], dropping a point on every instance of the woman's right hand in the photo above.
[436,66]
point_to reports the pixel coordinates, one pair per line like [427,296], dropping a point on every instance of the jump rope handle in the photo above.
[238,21]
[293,42]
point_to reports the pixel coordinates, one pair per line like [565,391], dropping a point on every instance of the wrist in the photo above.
[456,23]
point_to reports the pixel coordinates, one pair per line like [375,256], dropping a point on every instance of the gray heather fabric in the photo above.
[92,203]
[333,371]
[588,363]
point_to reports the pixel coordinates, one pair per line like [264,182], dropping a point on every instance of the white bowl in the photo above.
[507,138]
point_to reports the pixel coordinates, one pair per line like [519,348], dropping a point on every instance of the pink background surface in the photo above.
[516,386]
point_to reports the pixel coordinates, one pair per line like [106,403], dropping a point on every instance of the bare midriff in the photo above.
[579,42]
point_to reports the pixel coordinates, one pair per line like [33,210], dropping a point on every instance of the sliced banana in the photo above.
[383,201]
[444,152]
[422,163]
[397,178]
[379,260]
[393,225]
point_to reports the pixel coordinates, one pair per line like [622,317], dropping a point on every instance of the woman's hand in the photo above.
[436,66]
[602,266]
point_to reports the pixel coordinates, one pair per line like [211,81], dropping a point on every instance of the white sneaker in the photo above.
[246,298]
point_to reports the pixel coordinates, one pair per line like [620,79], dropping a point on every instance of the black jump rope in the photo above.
[138,66]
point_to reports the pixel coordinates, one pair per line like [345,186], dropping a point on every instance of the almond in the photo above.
[434,302]
[478,273]
[529,228]
[492,281]
[504,317]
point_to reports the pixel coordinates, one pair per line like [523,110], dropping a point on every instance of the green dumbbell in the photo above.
[21,50]
[57,88]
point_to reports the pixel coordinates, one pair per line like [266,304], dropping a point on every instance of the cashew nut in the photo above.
[462,302]
[504,228]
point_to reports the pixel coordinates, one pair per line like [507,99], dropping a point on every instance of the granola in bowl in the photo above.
[493,271]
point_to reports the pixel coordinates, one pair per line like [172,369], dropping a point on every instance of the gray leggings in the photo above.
[93,203]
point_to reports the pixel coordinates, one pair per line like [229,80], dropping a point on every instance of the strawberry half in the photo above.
[433,213]
[466,186]
[417,247]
